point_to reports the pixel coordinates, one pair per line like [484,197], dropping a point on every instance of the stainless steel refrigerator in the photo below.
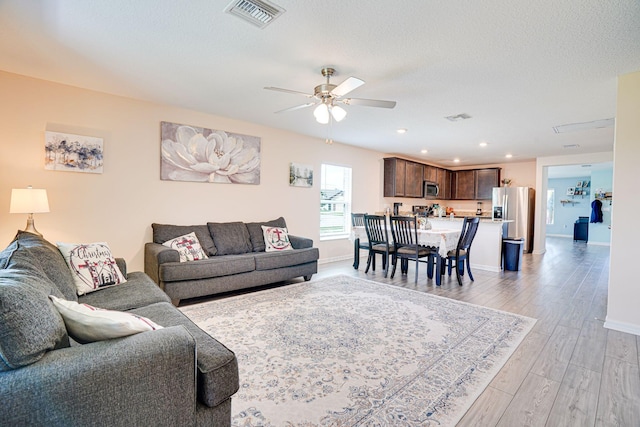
[516,204]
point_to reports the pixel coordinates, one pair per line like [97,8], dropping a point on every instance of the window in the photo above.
[335,201]
[551,206]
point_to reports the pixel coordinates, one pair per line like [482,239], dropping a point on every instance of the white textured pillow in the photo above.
[276,239]
[188,246]
[88,324]
[92,265]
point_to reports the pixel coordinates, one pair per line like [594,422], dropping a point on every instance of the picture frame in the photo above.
[197,154]
[579,184]
[73,153]
[571,191]
[300,175]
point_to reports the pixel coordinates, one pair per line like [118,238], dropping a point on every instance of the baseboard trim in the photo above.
[622,326]
[599,243]
[486,268]
[338,258]
[567,236]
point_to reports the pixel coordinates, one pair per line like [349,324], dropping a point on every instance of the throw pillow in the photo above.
[257,235]
[231,238]
[276,239]
[92,265]
[87,324]
[164,232]
[29,324]
[188,247]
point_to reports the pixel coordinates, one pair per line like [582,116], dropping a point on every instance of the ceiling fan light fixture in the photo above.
[321,114]
[338,113]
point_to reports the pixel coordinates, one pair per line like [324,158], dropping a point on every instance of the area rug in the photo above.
[350,352]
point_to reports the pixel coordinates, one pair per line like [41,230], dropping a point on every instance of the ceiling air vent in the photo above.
[458,117]
[257,12]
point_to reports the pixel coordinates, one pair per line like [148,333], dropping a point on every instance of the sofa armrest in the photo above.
[300,242]
[156,254]
[144,379]
[122,266]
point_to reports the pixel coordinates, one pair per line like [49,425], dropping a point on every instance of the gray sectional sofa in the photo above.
[174,376]
[237,259]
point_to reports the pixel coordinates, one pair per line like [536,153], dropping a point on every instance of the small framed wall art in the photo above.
[300,175]
[74,153]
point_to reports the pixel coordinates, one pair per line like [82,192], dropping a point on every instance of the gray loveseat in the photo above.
[237,259]
[176,376]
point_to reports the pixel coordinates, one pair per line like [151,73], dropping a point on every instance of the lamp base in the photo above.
[31,228]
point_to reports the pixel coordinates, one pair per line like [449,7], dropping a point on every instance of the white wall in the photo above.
[566,214]
[624,293]
[119,205]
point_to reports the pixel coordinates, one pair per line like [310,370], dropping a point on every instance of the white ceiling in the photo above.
[517,67]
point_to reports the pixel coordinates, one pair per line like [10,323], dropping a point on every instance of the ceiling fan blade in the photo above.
[297,107]
[278,89]
[346,86]
[369,102]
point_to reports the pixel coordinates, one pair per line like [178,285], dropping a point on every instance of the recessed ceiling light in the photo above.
[456,160]
[483,144]
[424,151]
[401,130]
[508,156]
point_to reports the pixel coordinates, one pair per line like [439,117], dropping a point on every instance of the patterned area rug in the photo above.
[350,352]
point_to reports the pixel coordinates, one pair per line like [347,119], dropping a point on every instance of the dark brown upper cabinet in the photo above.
[486,179]
[402,178]
[463,185]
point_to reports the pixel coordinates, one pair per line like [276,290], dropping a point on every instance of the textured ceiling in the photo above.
[517,67]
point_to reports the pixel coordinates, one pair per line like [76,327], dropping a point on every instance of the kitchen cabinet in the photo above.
[402,178]
[463,185]
[430,173]
[486,179]
[443,179]
[474,184]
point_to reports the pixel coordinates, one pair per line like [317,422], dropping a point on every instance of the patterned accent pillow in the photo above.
[92,265]
[276,239]
[86,323]
[188,246]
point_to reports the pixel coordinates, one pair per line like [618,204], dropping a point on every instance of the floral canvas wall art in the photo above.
[76,153]
[300,175]
[191,153]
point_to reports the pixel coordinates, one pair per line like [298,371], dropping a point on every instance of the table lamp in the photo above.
[29,200]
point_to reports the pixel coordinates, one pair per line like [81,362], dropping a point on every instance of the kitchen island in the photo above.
[486,249]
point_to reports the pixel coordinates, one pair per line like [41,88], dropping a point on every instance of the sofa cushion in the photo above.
[230,238]
[51,261]
[29,324]
[92,266]
[86,323]
[256,234]
[6,253]
[139,290]
[217,365]
[272,260]
[165,232]
[207,268]
[188,247]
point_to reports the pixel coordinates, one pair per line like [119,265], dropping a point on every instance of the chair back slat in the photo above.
[404,231]
[357,219]
[376,228]
[469,229]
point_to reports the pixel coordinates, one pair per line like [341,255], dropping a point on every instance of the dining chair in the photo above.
[378,235]
[460,255]
[405,238]
[357,220]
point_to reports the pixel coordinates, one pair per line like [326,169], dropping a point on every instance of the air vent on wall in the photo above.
[257,12]
[458,117]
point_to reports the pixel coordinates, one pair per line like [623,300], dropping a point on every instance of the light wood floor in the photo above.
[570,370]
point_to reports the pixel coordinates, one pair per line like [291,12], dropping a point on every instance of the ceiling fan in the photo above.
[328,95]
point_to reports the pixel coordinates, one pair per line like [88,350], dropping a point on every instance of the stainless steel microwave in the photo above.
[431,190]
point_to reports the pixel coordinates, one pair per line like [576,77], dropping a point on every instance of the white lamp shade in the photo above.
[322,114]
[29,200]
[338,113]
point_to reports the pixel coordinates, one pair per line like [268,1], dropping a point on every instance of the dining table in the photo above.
[442,240]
